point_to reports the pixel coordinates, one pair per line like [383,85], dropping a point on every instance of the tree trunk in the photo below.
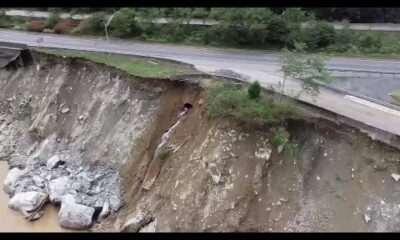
[283,88]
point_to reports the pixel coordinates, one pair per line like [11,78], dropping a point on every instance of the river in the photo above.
[14,221]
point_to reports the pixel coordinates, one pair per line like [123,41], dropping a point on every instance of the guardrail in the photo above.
[394,73]
[348,92]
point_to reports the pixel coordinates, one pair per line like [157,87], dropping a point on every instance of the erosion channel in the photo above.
[89,147]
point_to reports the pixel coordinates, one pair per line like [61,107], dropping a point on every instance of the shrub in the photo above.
[97,21]
[278,29]
[124,24]
[36,26]
[254,90]
[390,44]
[65,26]
[281,138]
[320,35]
[52,21]
[4,20]
[82,28]
[369,42]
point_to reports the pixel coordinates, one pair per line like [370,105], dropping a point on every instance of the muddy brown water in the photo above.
[14,221]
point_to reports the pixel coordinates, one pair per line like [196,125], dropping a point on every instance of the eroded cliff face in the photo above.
[145,149]
[85,116]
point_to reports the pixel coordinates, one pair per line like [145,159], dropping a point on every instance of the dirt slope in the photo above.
[213,175]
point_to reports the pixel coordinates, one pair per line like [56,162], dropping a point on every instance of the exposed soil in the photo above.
[214,175]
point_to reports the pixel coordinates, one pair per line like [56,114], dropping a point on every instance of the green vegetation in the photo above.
[164,155]
[281,138]
[11,22]
[309,68]
[261,28]
[52,21]
[254,90]
[226,100]
[124,24]
[396,95]
[135,66]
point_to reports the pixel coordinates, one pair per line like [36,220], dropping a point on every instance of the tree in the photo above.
[254,90]
[52,21]
[124,23]
[96,21]
[309,68]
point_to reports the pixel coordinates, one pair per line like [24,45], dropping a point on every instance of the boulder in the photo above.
[39,181]
[105,211]
[74,216]
[53,162]
[11,180]
[58,187]
[27,201]
[115,203]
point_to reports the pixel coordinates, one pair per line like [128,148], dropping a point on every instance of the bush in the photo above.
[82,28]
[345,41]
[65,26]
[278,30]
[320,35]
[369,42]
[97,21]
[229,101]
[254,90]
[124,24]
[36,26]
[52,21]
[281,138]
[390,44]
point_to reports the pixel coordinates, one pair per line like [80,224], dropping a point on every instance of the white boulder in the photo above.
[58,187]
[74,216]
[27,201]
[53,162]
[115,203]
[11,180]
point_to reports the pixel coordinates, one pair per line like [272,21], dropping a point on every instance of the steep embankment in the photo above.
[147,144]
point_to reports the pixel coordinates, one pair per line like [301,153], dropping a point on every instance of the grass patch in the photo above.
[135,66]
[396,95]
[227,100]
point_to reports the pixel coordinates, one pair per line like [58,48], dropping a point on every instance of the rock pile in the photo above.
[84,195]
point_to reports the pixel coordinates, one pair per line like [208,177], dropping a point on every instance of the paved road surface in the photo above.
[254,65]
